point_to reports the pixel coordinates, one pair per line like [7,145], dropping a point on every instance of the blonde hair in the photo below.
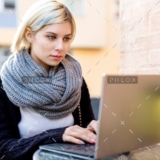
[40,14]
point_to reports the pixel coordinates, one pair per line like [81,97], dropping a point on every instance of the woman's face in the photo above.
[50,44]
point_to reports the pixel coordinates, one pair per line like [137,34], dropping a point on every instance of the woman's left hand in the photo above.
[93,126]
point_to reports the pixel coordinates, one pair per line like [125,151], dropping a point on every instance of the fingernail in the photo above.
[82,142]
[93,141]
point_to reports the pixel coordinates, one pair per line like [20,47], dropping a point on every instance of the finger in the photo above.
[81,133]
[85,135]
[93,124]
[95,128]
[91,129]
[73,140]
[87,131]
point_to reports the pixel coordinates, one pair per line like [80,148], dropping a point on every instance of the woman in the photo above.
[43,96]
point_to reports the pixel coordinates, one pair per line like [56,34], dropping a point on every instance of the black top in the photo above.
[13,147]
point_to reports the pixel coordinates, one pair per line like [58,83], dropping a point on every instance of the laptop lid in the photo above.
[129,116]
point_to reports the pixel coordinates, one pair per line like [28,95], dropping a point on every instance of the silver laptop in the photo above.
[129,118]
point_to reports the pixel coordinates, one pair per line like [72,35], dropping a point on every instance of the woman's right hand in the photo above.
[78,135]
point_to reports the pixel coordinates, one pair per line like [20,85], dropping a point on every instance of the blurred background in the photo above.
[113,36]
[96,44]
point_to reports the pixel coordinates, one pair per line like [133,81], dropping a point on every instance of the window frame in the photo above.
[7,5]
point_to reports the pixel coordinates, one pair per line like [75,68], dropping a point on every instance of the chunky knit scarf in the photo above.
[54,94]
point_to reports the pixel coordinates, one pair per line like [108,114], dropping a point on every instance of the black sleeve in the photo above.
[86,108]
[12,147]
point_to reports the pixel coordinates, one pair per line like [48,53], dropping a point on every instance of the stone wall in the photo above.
[140,36]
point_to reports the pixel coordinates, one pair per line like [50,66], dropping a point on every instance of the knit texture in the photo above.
[13,147]
[54,95]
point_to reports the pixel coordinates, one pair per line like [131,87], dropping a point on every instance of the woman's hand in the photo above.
[78,135]
[93,126]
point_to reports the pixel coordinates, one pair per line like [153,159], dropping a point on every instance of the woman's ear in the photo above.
[28,35]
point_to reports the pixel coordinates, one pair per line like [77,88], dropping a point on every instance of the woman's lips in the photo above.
[56,57]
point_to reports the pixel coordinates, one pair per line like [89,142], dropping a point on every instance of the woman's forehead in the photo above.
[64,27]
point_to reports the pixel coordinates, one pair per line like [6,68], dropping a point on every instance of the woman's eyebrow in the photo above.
[56,34]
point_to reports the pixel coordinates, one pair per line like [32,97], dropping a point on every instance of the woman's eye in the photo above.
[67,39]
[51,37]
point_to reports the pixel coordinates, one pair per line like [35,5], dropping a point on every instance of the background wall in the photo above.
[140,33]
[106,59]
[98,28]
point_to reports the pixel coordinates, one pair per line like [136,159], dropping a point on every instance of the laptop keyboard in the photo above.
[84,149]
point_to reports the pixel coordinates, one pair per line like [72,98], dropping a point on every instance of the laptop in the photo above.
[129,118]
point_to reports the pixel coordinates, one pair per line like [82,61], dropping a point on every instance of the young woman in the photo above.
[43,96]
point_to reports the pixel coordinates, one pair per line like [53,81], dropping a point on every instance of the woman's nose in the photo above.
[59,45]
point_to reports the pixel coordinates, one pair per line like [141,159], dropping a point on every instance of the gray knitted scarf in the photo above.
[54,95]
